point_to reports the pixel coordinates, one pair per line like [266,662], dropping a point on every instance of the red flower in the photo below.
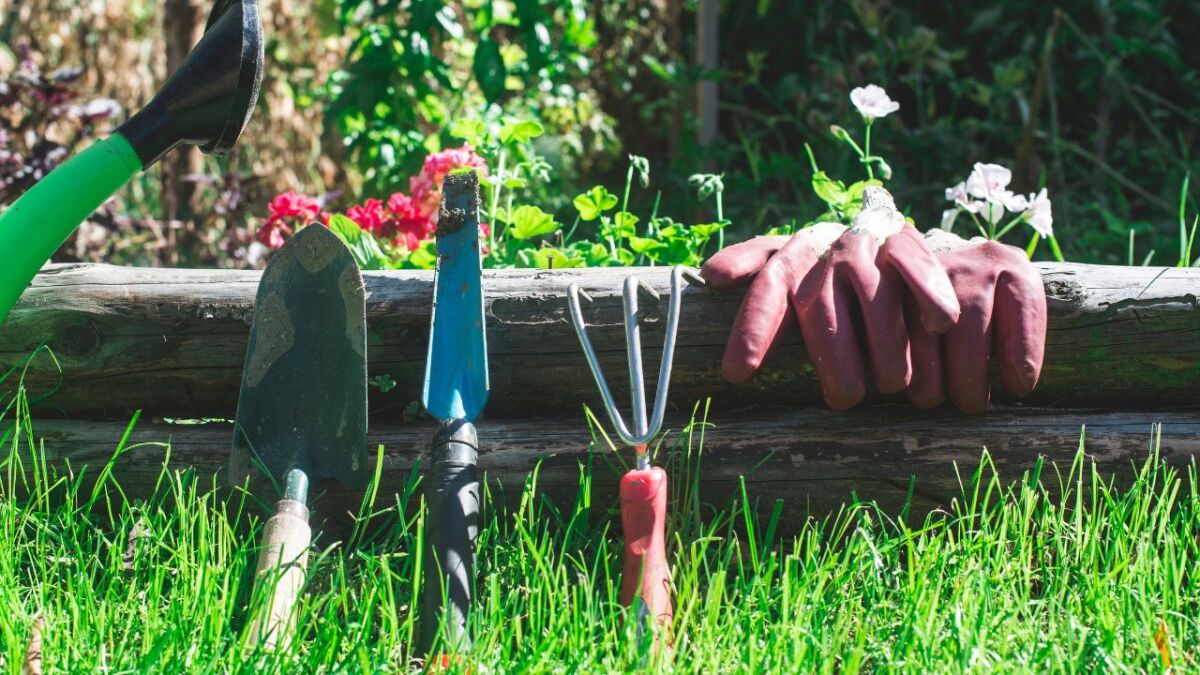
[289,206]
[293,205]
[411,225]
[271,233]
[426,187]
[369,216]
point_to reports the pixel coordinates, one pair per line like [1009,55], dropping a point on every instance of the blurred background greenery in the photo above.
[1096,100]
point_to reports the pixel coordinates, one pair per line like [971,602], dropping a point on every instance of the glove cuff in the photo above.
[879,217]
[820,237]
[941,241]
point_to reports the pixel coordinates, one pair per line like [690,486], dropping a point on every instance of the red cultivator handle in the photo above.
[646,578]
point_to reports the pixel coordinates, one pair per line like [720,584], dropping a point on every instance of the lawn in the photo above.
[1005,578]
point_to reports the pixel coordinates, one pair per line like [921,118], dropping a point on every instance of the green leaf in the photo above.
[520,132]
[547,258]
[643,246]
[489,70]
[530,221]
[596,254]
[362,244]
[855,192]
[384,383]
[832,192]
[469,130]
[594,202]
[703,232]
[425,257]
[625,224]
[678,251]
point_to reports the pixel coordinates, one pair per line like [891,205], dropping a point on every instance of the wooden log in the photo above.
[172,341]
[813,459]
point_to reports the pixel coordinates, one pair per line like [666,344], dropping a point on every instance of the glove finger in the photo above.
[968,351]
[908,253]
[1020,326]
[826,321]
[880,295]
[927,388]
[735,265]
[762,316]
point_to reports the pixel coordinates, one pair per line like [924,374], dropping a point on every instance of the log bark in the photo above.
[815,460]
[172,341]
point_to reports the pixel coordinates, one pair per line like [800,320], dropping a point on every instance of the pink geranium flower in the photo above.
[426,187]
[369,216]
[288,211]
[410,224]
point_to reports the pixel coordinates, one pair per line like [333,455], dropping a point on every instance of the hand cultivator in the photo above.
[646,579]
[302,410]
[206,102]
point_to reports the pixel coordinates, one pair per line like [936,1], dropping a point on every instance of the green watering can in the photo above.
[206,102]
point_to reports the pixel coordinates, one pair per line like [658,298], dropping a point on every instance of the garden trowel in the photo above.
[206,102]
[456,389]
[302,410]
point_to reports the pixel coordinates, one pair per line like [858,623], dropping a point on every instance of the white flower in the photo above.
[1016,203]
[872,102]
[988,181]
[1040,218]
[948,218]
[957,194]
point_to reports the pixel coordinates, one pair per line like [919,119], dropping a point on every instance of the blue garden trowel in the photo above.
[456,389]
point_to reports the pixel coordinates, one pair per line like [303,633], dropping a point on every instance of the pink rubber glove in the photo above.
[826,273]
[1003,306]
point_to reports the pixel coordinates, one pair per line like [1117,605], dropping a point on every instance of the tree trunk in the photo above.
[172,341]
[813,459]
[183,25]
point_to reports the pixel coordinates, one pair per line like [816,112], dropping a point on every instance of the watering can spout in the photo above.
[207,101]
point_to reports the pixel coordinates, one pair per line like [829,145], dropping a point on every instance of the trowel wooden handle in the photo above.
[646,578]
[282,563]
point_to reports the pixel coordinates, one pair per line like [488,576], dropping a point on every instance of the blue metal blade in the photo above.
[456,370]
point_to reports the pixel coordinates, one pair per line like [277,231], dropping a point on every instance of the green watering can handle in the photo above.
[33,228]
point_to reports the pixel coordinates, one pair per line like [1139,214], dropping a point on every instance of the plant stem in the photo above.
[628,184]
[1033,244]
[867,151]
[721,219]
[1011,224]
[496,187]
[1057,251]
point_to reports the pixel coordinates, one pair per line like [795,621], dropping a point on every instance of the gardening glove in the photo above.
[826,271]
[1003,306]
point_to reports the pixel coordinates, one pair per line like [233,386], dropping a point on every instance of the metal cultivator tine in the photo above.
[643,430]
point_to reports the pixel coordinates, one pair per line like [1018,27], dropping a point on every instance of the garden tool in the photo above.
[206,102]
[645,576]
[456,390]
[302,410]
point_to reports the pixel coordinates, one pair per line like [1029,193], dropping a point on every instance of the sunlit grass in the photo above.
[1004,578]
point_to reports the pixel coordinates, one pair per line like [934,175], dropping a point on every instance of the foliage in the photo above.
[398,234]
[1065,573]
[42,120]
[414,68]
[1097,99]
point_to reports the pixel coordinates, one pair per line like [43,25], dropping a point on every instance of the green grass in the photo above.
[1004,579]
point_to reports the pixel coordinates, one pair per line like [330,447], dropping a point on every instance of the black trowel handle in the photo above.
[452,491]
